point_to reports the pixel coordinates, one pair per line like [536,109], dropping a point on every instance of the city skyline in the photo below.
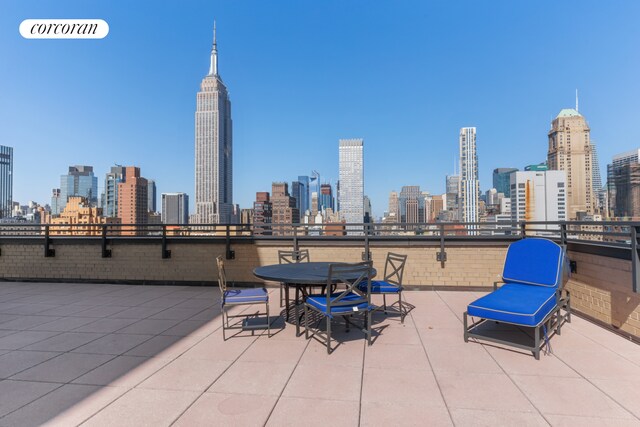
[424,132]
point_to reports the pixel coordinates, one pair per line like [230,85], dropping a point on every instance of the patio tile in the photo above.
[144,407]
[624,392]
[219,409]
[65,341]
[570,396]
[264,378]
[16,361]
[401,357]
[194,328]
[575,420]
[22,323]
[472,359]
[391,385]
[63,368]
[64,324]
[122,371]
[263,350]
[19,393]
[65,310]
[403,414]
[520,363]
[113,344]
[177,313]
[480,418]
[483,391]
[100,311]
[106,325]
[186,374]
[136,313]
[335,383]
[214,348]
[58,407]
[289,411]
[346,354]
[149,326]
[23,338]
[589,364]
[398,334]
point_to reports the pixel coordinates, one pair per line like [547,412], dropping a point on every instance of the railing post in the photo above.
[106,253]
[523,229]
[563,234]
[442,255]
[366,255]
[635,259]
[295,238]
[48,252]
[166,253]
[230,254]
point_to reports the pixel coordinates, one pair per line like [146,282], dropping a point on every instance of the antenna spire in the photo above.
[577,100]
[213,67]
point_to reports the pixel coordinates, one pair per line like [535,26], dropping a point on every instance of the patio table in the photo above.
[299,275]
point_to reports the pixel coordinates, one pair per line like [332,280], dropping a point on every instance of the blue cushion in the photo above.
[320,302]
[245,296]
[380,287]
[534,261]
[515,303]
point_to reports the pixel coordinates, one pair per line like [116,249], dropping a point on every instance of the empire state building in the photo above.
[214,141]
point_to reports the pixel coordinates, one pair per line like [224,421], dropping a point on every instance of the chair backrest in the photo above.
[222,277]
[535,261]
[394,268]
[293,257]
[350,276]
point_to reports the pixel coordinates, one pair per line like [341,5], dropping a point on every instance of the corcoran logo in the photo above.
[64,29]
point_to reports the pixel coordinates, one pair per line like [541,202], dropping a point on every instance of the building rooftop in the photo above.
[101,354]
[568,112]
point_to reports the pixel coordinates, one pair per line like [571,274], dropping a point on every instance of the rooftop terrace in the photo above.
[100,354]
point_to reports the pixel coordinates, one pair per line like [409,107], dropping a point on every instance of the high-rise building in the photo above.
[394,207]
[80,182]
[133,197]
[151,193]
[411,204]
[469,186]
[570,150]
[502,180]
[623,185]
[283,207]
[78,210]
[262,214]
[368,213]
[300,190]
[326,197]
[111,181]
[538,196]
[351,168]
[599,190]
[537,168]
[55,202]
[175,208]
[6,180]
[453,197]
[436,205]
[213,147]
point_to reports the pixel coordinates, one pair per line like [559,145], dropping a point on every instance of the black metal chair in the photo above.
[235,297]
[392,282]
[350,301]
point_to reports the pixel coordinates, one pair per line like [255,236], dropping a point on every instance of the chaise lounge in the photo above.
[532,296]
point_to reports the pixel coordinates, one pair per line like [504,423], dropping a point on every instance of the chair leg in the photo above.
[384,302]
[268,321]
[295,308]
[224,337]
[281,295]
[306,322]
[466,328]
[328,335]
[368,320]
[401,307]
[286,302]
[536,352]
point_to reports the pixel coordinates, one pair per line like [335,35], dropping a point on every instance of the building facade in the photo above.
[79,182]
[502,180]
[623,185]
[570,151]
[110,202]
[79,218]
[6,181]
[213,148]
[175,208]
[284,211]
[262,214]
[453,197]
[539,196]
[469,185]
[55,202]
[351,169]
[152,194]
[133,198]
[326,197]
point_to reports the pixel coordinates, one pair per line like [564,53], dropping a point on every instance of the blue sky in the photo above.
[405,76]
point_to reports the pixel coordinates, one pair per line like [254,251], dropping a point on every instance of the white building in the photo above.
[469,184]
[213,139]
[539,196]
[351,193]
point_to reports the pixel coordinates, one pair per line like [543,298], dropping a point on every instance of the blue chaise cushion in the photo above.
[524,305]
[380,287]
[534,261]
[245,296]
[320,302]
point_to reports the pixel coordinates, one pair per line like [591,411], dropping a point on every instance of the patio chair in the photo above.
[232,297]
[532,296]
[391,283]
[290,257]
[345,303]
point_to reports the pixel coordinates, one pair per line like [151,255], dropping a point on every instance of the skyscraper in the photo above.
[623,184]
[570,151]
[394,206]
[469,185]
[213,147]
[175,208]
[453,197]
[599,191]
[6,180]
[262,214]
[111,181]
[326,197]
[284,209]
[151,193]
[502,180]
[55,202]
[81,182]
[133,197]
[351,166]
[538,196]
[300,190]
[411,204]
